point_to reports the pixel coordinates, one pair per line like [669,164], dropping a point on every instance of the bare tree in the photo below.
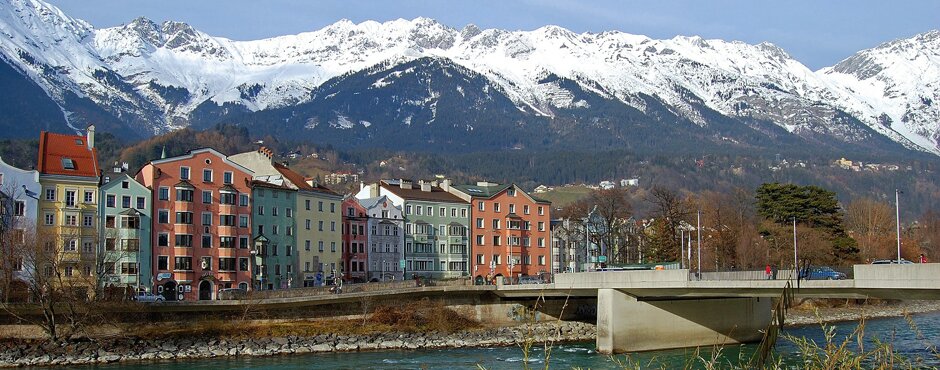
[669,211]
[871,223]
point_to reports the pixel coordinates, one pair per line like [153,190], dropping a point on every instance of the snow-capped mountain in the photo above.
[149,78]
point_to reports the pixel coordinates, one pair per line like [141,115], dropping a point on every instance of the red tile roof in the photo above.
[301,183]
[53,148]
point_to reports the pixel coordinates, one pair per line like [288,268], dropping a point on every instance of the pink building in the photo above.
[355,257]
[201,224]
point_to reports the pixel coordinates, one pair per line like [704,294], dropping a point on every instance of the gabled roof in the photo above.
[56,151]
[481,191]
[435,195]
[299,181]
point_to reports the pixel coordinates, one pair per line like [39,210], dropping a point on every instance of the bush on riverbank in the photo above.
[422,316]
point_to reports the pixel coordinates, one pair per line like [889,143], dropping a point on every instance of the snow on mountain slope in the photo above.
[895,85]
[158,74]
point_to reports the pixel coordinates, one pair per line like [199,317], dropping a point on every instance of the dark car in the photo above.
[822,273]
[890,262]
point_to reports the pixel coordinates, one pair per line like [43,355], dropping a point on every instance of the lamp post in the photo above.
[897,215]
[698,234]
[795,264]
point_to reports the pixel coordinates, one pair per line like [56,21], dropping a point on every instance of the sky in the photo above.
[817,33]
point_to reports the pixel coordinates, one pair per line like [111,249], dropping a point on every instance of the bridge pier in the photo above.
[625,324]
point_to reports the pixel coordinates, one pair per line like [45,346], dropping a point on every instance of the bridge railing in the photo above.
[779,274]
[354,288]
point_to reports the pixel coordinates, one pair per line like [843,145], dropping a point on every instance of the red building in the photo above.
[355,239]
[201,224]
[510,230]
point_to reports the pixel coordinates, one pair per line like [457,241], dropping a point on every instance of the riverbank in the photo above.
[109,350]
[812,313]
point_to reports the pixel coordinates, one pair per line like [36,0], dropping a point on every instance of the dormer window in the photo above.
[68,164]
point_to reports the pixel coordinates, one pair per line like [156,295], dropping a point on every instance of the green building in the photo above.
[124,238]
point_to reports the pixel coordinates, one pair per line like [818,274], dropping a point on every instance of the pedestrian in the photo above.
[923,258]
[773,269]
[767,271]
[338,281]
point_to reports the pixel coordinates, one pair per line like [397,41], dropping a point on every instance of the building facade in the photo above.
[19,191]
[202,224]
[125,219]
[436,224]
[386,244]
[68,208]
[355,240]
[319,234]
[511,230]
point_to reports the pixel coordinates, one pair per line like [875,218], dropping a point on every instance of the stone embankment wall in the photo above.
[20,353]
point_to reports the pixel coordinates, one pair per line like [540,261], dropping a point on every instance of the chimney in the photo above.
[373,190]
[405,184]
[425,186]
[445,184]
[362,185]
[116,168]
[90,137]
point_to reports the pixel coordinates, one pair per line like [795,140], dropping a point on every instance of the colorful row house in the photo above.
[125,221]
[355,240]
[386,239]
[19,190]
[202,207]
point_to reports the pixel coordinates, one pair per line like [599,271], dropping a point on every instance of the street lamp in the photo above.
[897,214]
[795,264]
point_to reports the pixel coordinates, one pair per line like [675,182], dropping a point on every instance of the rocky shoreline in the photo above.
[22,353]
[809,315]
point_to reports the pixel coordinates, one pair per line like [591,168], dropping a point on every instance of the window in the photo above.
[274,211]
[408,209]
[183,263]
[481,260]
[68,163]
[480,240]
[290,212]
[243,200]
[207,175]
[442,212]
[289,250]
[320,206]
[130,222]
[242,221]
[496,260]
[332,207]
[277,269]
[275,229]
[227,177]
[320,225]
[185,218]
[332,225]
[525,209]
[260,210]
[320,245]
[226,264]
[163,240]
[227,197]
[184,173]
[88,220]
[128,245]
[496,240]
[226,242]
[68,269]
[273,249]
[50,194]
[89,196]
[541,242]
[125,185]
[109,201]
[242,264]
[228,220]
[496,224]
[207,196]
[541,211]
[307,204]
[243,242]
[125,201]
[479,223]
[495,207]
[541,260]
[307,246]
[463,213]
[163,216]
[70,198]
[512,208]
[290,231]
[184,195]
[71,245]
[332,246]
[184,240]
[71,220]
[49,217]
[164,193]
[430,211]
[141,203]
[541,226]
[511,192]
[163,263]
[206,219]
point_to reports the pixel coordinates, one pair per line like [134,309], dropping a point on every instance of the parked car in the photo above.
[889,262]
[147,297]
[530,280]
[232,293]
[822,273]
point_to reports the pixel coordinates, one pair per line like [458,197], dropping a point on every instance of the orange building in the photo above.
[510,230]
[201,224]
[355,257]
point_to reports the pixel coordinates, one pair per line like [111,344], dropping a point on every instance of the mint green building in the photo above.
[124,239]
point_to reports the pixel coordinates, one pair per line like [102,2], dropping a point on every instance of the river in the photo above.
[568,356]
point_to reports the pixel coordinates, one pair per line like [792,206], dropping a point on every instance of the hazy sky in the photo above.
[818,33]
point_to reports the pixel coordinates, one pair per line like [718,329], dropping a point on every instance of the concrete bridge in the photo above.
[652,310]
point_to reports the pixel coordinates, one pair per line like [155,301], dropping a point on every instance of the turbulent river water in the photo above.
[578,355]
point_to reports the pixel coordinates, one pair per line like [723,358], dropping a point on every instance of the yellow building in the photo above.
[67,220]
[319,234]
